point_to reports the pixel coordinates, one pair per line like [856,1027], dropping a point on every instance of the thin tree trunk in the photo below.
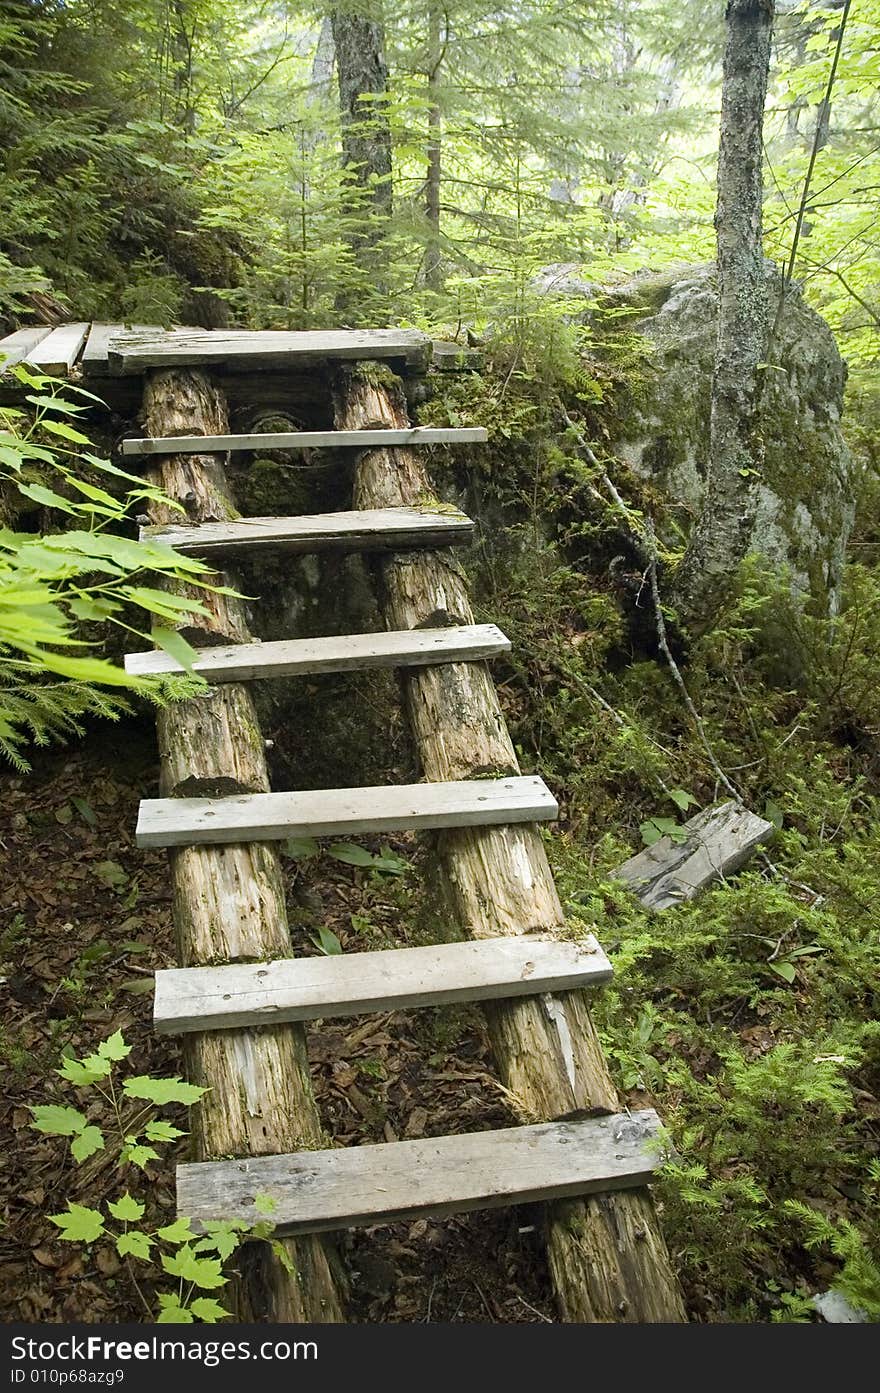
[228,902]
[366,133]
[721,535]
[607,1254]
[433,262]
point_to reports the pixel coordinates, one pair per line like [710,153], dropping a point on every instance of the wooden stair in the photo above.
[314,1191]
[397,979]
[242,662]
[306,440]
[378,529]
[237,1015]
[269,817]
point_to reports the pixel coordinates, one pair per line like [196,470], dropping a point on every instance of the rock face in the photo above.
[661,417]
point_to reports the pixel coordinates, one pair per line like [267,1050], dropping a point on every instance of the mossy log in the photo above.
[229,900]
[608,1258]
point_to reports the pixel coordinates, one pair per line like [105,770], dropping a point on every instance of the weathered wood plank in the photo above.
[59,351]
[259,817]
[308,440]
[395,979]
[379,529]
[242,662]
[244,348]
[94,357]
[319,1190]
[717,842]
[15,347]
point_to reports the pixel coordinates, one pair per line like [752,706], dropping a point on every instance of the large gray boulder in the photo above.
[659,423]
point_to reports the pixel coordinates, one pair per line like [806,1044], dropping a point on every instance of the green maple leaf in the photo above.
[162,1131]
[127,1208]
[207,1309]
[175,1315]
[79,1225]
[162,1090]
[178,1232]
[114,1047]
[57,1121]
[205,1273]
[137,1244]
[138,1155]
[90,1140]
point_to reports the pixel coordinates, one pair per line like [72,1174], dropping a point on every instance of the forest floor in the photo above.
[85,919]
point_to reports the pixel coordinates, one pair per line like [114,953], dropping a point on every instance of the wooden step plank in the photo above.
[242,662]
[16,347]
[314,1191]
[94,358]
[307,440]
[95,354]
[714,844]
[395,979]
[59,351]
[382,529]
[244,349]
[259,817]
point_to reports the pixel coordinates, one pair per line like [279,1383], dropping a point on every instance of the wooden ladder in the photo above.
[227,885]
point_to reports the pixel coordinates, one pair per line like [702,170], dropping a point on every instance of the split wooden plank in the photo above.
[58,352]
[16,347]
[379,529]
[308,440]
[260,817]
[315,1191]
[715,844]
[242,662]
[246,349]
[395,979]
[94,358]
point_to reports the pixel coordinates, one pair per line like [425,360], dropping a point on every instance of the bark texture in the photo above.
[607,1255]
[366,134]
[228,901]
[720,537]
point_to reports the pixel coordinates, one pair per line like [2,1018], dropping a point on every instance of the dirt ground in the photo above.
[85,919]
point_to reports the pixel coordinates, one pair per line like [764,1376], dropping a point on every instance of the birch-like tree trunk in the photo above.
[721,535]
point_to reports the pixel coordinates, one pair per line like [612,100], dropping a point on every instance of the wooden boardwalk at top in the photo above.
[117,350]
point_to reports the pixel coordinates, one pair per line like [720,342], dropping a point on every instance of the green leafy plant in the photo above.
[194,1260]
[53,584]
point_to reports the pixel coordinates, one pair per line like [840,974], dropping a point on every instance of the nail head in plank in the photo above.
[307,440]
[59,352]
[380,529]
[243,349]
[315,1191]
[394,979]
[715,843]
[242,662]
[16,347]
[258,817]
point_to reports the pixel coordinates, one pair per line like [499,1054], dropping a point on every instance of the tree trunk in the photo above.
[228,901]
[607,1256]
[366,133]
[722,533]
[434,278]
